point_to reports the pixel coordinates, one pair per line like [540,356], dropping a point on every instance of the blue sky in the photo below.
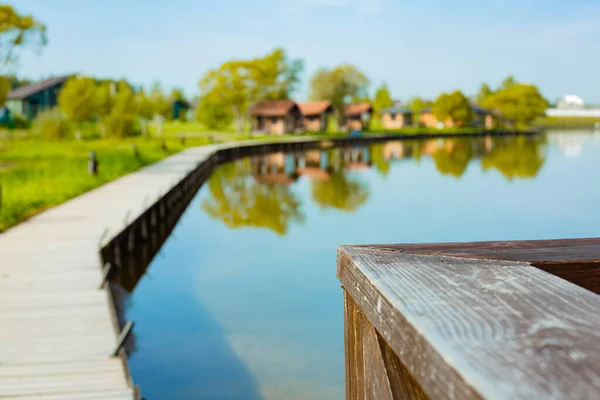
[419,47]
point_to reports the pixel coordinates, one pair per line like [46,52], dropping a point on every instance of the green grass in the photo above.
[566,122]
[37,174]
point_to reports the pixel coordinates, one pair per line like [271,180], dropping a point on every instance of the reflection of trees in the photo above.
[517,156]
[379,162]
[238,200]
[340,192]
[454,157]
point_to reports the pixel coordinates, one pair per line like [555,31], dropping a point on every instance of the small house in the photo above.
[395,117]
[315,115]
[357,116]
[180,108]
[428,120]
[275,117]
[483,117]
[30,99]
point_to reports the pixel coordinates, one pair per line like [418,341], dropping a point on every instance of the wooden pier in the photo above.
[498,320]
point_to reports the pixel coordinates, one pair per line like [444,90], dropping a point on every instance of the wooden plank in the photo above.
[469,329]
[576,260]
[126,394]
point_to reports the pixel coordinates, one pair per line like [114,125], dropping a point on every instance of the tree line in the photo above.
[227,91]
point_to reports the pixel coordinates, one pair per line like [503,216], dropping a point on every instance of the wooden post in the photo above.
[92,164]
[123,337]
[108,267]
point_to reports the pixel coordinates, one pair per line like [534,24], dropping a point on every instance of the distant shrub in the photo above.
[120,126]
[50,124]
[20,122]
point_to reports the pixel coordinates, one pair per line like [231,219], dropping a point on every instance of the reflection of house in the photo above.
[393,150]
[275,116]
[315,115]
[395,117]
[357,116]
[30,99]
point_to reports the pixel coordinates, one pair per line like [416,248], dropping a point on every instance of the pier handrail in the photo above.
[488,320]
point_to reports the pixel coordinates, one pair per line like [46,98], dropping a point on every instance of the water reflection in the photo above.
[258,192]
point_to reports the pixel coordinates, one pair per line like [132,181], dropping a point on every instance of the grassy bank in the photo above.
[37,174]
[566,122]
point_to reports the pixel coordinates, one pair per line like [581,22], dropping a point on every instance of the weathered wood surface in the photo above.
[478,328]
[576,260]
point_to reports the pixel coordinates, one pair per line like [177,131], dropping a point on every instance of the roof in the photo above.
[315,107]
[480,110]
[271,108]
[426,110]
[395,110]
[26,91]
[357,109]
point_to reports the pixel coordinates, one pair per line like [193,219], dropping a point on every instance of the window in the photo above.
[273,120]
[393,116]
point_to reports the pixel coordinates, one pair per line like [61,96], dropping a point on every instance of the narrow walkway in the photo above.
[57,327]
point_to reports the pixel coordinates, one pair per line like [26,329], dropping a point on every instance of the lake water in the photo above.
[242,302]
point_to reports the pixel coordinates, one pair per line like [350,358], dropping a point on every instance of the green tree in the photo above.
[18,31]
[516,157]
[483,94]
[105,92]
[339,85]
[416,105]
[454,157]
[213,115]
[508,83]
[340,192]
[144,110]
[160,103]
[454,106]
[238,84]
[78,101]
[177,94]
[121,120]
[242,202]
[382,98]
[5,88]
[520,103]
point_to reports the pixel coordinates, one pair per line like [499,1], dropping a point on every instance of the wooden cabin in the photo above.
[315,115]
[482,118]
[29,100]
[396,117]
[357,117]
[276,117]
[428,120]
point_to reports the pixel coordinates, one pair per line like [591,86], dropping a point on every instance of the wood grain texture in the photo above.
[373,371]
[575,260]
[468,329]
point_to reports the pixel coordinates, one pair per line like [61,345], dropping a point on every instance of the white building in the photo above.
[570,102]
[572,106]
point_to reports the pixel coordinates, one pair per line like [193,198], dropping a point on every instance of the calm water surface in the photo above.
[243,303]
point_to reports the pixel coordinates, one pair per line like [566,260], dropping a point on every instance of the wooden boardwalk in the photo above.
[58,329]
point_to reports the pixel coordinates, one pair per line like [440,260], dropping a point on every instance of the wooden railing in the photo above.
[497,320]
